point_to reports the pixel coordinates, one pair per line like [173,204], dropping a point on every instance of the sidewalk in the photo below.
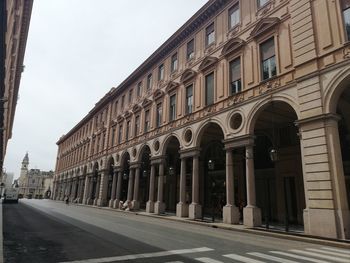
[241,228]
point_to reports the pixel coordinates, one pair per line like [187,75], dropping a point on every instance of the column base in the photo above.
[251,216]
[94,202]
[150,207]
[195,211]
[230,214]
[116,204]
[89,201]
[182,210]
[159,208]
[320,222]
[135,205]
[101,202]
[110,203]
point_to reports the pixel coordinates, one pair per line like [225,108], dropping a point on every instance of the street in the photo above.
[48,231]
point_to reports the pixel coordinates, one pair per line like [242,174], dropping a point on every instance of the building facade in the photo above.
[14,25]
[239,116]
[34,183]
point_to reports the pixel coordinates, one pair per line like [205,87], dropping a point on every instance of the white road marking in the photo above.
[337,254]
[318,255]
[175,262]
[337,250]
[208,260]
[272,258]
[242,259]
[299,257]
[145,255]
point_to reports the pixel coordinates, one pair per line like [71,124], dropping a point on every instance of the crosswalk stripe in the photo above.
[332,258]
[141,256]
[208,260]
[299,257]
[329,252]
[243,259]
[277,259]
[337,250]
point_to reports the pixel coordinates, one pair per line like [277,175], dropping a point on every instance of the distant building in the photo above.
[34,183]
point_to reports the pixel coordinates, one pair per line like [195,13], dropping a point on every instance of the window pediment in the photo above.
[188,75]
[136,108]
[232,46]
[208,62]
[266,24]
[127,114]
[120,118]
[171,86]
[157,94]
[145,103]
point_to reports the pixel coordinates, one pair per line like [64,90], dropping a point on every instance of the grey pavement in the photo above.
[48,231]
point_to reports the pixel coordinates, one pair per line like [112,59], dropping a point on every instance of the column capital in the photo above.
[158,159]
[239,142]
[186,153]
[135,165]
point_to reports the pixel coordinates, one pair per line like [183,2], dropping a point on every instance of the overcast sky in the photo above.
[76,51]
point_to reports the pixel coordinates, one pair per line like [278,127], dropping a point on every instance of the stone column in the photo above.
[130,185]
[135,201]
[102,196]
[251,213]
[230,211]
[86,190]
[119,188]
[150,203]
[159,206]
[182,207]
[114,185]
[338,178]
[97,190]
[195,209]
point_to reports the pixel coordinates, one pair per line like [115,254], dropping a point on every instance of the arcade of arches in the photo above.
[255,180]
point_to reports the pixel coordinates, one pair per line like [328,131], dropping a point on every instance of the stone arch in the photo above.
[203,127]
[334,89]
[141,151]
[262,105]
[123,157]
[110,161]
[167,140]
[95,167]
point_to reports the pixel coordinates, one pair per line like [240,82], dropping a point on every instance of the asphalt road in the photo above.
[47,231]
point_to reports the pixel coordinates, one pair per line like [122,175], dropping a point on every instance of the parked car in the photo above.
[11,195]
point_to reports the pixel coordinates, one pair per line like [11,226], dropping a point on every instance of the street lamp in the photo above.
[144,173]
[273,154]
[211,165]
[171,170]
[125,176]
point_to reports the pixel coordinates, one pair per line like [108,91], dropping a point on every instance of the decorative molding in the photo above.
[146,102]
[265,8]
[207,63]
[171,86]
[187,75]
[158,94]
[232,46]
[265,24]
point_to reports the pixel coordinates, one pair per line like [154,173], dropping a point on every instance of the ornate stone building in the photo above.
[34,183]
[14,25]
[241,115]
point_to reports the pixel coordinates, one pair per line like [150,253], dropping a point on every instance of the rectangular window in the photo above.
[113,136]
[346,15]
[130,96]
[233,16]
[159,115]
[172,109]
[235,76]
[190,50]
[268,59]
[139,89]
[103,141]
[174,62]
[122,104]
[120,134]
[261,3]
[209,89]
[149,81]
[127,135]
[210,35]
[189,99]
[137,125]
[147,121]
[161,72]
[116,107]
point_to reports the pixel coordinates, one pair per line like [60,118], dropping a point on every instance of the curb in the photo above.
[1,236]
[260,232]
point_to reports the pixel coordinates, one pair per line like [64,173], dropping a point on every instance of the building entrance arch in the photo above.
[125,169]
[145,159]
